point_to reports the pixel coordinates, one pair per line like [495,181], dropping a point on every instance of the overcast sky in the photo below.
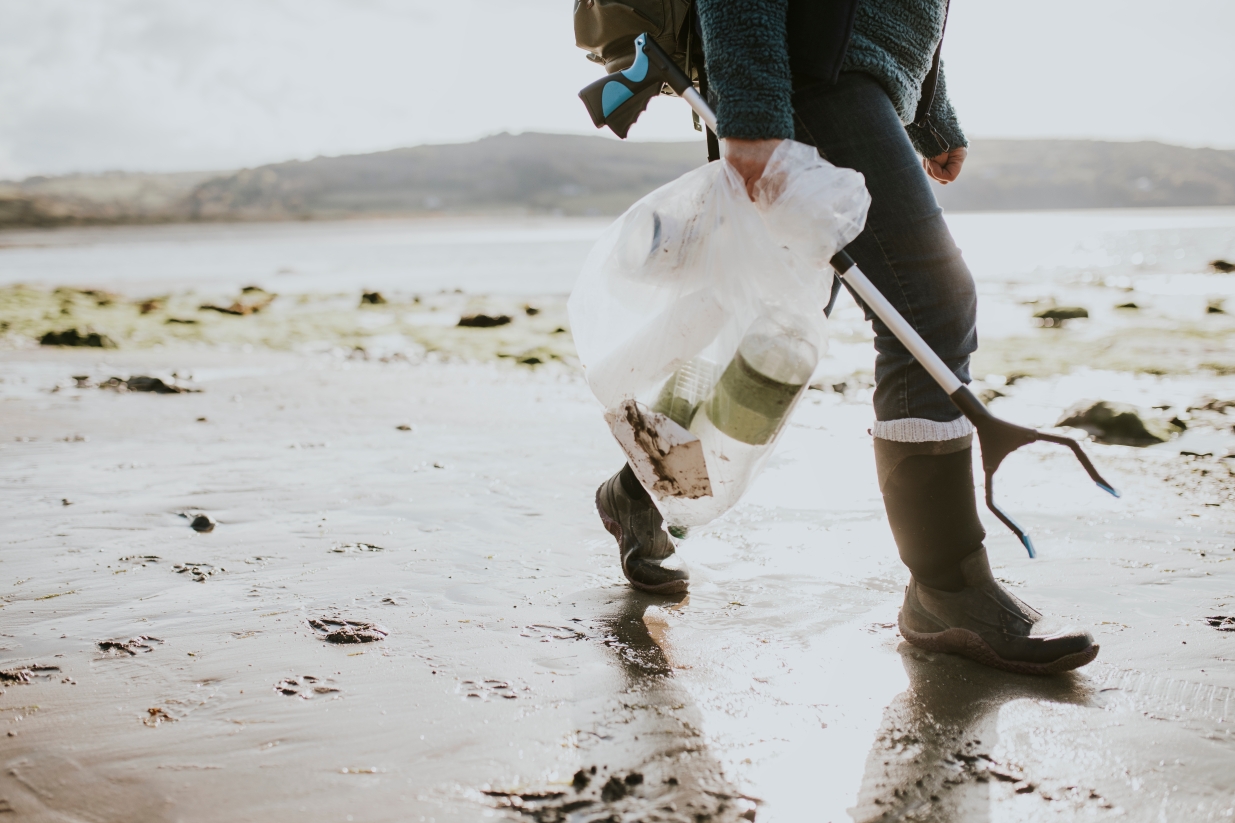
[89,85]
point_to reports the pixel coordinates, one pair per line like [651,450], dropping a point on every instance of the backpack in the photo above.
[606,30]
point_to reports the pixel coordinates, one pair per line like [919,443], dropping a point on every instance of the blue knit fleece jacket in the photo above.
[748,65]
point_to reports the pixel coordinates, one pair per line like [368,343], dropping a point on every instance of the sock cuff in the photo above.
[920,430]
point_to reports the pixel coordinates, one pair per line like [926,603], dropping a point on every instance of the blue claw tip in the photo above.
[1111,491]
[1028,546]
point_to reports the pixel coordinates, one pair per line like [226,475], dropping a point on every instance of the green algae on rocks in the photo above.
[400,325]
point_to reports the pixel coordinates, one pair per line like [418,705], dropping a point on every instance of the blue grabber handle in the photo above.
[618,99]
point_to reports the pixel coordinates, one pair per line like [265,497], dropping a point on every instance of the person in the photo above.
[772,77]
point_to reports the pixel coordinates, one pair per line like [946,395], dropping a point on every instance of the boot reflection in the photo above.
[643,660]
[654,731]
[932,758]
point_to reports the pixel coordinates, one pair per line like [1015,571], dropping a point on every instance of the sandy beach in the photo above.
[377,473]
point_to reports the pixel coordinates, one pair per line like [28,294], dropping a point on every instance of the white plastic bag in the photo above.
[699,318]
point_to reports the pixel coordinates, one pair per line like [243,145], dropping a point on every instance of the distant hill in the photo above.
[86,199]
[1005,175]
[505,173]
[567,174]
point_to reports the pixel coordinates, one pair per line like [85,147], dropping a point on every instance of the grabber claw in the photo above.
[997,438]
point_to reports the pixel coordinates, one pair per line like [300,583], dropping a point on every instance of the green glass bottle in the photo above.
[754,395]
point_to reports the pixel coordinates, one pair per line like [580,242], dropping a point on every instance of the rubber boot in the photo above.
[629,514]
[953,602]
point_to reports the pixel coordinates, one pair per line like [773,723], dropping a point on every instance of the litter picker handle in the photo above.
[997,438]
[618,99]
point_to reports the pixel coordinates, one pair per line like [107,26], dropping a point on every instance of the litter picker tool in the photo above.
[618,99]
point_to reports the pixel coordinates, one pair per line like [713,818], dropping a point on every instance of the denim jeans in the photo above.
[906,249]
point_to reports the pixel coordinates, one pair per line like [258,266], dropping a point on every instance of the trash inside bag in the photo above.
[699,320]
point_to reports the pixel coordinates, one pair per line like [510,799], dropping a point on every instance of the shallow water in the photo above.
[543,255]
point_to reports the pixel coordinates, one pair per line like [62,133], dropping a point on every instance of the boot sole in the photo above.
[969,644]
[615,528]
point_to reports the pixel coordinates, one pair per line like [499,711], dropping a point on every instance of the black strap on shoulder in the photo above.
[921,117]
[696,28]
[713,143]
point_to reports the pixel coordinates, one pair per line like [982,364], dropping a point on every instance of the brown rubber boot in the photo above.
[643,544]
[953,602]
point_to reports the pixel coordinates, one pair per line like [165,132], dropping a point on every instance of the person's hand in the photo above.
[946,167]
[749,157]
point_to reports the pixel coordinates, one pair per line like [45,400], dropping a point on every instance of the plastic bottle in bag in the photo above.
[745,410]
[654,241]
[685,391]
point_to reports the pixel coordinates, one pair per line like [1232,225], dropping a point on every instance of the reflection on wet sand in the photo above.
[646,758]
[934,756]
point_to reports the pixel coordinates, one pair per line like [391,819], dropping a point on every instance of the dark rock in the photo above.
[1214,405]
[987,395]
[235,309]
[1127,306]
[581,779]
[147,306]
[72,337]
[1222,266]
[531,311]
[483,321]
[372,298]
[1118,423]
[137,383]
[252,300]
[202,523]
[172,320]
[154,384]
[1215,307]
[404,427]
[1059,315]
[614,789]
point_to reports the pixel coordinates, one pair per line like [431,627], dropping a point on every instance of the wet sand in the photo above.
[514,657]
[354,572]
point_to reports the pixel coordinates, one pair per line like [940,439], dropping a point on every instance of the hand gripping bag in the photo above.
[698,318]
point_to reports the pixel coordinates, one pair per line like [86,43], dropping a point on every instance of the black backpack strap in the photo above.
[921,117]
[696,29]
